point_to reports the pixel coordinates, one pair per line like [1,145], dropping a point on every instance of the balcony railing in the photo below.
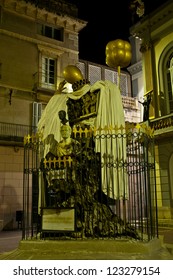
[162,125]
[41,83]
[14,132]
[130,102]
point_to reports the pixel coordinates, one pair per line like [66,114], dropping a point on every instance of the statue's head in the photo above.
[65,131]
[62,116]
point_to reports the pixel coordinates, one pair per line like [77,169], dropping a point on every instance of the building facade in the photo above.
[153,57]
[36,44]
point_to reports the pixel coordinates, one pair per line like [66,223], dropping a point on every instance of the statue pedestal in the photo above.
[89,249]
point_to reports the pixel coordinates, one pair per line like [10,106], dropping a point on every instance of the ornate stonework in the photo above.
[33,11]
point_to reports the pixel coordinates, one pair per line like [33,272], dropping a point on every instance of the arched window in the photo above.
[170,84]
[166,80]
[171,176]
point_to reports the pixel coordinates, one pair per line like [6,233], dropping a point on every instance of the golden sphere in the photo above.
[118,53]
[72,74]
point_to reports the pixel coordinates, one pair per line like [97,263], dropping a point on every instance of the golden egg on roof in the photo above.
[72,74]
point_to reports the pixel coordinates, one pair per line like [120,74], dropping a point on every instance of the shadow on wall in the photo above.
[8,208]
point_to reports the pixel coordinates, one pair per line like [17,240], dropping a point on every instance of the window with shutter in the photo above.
[36,115]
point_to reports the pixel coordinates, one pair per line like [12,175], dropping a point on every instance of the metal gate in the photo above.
[105,189]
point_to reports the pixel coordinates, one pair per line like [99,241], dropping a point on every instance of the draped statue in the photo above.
[89,173]
[109,114]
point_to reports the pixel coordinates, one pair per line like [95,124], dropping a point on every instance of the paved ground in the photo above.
[9,240]
[13,248]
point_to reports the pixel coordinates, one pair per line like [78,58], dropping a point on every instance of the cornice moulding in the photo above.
[135,68]
[153,21]
[31,11]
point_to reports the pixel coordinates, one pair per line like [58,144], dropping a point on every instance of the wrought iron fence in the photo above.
[105,189]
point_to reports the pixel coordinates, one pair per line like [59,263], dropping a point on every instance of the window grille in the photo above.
[81,66]
[111,76]
[123,84]
[94,73]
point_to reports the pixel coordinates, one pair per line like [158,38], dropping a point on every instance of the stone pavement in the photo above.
[9,240]
[13,248]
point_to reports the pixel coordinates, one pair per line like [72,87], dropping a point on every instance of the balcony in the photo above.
[41,86]
[163,126]
[13,134]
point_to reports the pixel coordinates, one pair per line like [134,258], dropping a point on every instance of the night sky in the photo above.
[105,23]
